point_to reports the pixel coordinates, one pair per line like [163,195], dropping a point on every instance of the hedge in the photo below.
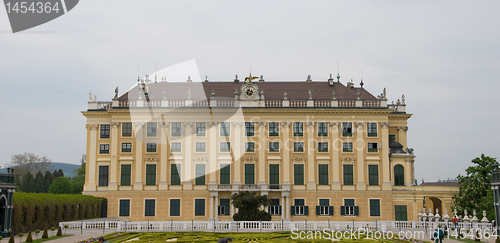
[44,210]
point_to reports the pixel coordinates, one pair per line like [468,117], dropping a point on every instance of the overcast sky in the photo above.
[444,56]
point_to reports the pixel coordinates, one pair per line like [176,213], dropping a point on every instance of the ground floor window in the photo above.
[275,208]
[199,207]
[299,209]
[400,213]
[349,208]
[125,207]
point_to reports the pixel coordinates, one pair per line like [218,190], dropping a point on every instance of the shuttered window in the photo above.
[103,175]
[249,174]
[149,207]
[175,207]
[298,174]
[348,175]
[125,175]
[274,176]
[150,175]
[124,207]
[374,207]
[225,174]
[199,207]
[373,175]
[323,174]
[175,171]
[399,175]
[200,174]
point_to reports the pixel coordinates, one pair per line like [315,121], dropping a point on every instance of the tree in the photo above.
[79,180]
[28,183]
[28,162]
[248,205]
[475,188]
[38,183]
[47,180]
[57,173]
[45,235]
[29,238]
[61,185]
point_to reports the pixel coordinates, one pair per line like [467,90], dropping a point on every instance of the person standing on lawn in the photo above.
[226,240]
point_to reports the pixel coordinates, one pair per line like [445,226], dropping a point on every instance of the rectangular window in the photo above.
[274,146]
[104,131]
[225,146]
[127,129]
[323,147]
[149,207]
[322,129]
[249,129]
[126,147]
[104,148]
[152,129]
[372,147]
[249,174]
[200,174]
[175,147]
[274,129]
[274,176]
[348,175]
[225,129]
[299,208]
[200,147]
[175,172]
[249,147]
[199,207]
[392,138]
[324,207]
[349,209]
[347,147]
[323,174]
[298,129]
[124,207]
[374,207]
[201,127]
[175,207]
[224,207]
[298,146]
[176,129]
[103,175]
[150,175]
[346,129]
[151,147]
[225,174]
[275,208]
[400,212]
[371,129]
[125,175]
[373,175]
[298,174]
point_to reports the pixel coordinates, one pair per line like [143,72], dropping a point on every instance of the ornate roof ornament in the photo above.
[308,78]
[249,79]
[310,93]
[285,95]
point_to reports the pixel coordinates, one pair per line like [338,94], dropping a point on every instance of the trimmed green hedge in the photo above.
[44,210]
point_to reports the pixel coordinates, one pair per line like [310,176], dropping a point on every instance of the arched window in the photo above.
[399,175]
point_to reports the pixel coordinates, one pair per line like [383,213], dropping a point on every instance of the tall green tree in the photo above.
[27,184]
[475,188]
[248,205]
[47,180]
[38,183]
[61,185]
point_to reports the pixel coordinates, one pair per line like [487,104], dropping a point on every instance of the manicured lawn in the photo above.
[202,237]
[50,238]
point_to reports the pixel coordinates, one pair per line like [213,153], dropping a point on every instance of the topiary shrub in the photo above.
[37,231]
[11,239]
[52,229]
[45,235]
[59,233]
[29,238]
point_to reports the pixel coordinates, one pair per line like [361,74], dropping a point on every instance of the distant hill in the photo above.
[68,169]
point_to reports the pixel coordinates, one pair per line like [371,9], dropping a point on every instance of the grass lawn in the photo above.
[50,238]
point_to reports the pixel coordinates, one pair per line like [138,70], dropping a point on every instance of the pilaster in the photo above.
[286,154]
[113,186]
[138,155]
[212,131]
[386,181]
[188,162]
[334,133]
[237,152]
[163,157]
[359,146]
[262,155]
[91,162]
[311,183]
[402,131]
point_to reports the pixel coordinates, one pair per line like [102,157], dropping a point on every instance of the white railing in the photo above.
[371,103]
[346,103]
[322,103]
[254,226]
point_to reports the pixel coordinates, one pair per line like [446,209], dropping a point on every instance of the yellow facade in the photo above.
[152,179]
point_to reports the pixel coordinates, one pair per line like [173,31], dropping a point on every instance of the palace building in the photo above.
[320,150]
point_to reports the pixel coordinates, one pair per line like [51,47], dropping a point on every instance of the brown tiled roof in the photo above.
[296,90]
